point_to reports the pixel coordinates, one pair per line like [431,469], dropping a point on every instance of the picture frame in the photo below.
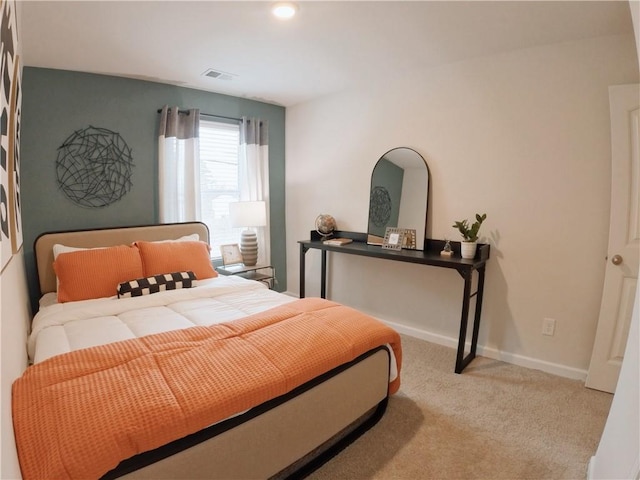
[409,241]
[393,238]
[231,254]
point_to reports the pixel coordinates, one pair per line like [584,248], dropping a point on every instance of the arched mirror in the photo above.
[399,195]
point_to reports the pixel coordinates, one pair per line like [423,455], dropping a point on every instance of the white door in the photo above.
[621,273]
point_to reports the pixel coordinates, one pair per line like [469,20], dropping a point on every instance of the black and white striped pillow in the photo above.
[156,283]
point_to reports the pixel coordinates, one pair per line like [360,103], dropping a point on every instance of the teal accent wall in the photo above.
[57,102]
[389,176]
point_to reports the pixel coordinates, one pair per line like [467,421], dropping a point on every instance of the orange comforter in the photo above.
[79,414]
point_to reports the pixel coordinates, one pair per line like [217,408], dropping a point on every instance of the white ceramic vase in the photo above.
[468,249]
[249,248]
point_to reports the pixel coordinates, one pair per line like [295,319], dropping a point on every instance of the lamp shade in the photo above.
[248,214]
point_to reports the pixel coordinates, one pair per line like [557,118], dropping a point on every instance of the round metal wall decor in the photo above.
[94,167]
[379,206]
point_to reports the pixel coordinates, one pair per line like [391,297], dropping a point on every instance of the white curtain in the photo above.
[179,165]
[253,173]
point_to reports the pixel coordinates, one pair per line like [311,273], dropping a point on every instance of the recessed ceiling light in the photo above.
[284,10]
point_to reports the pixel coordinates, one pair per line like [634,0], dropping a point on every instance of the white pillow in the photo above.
[194,237]
[58,248]
[48,299]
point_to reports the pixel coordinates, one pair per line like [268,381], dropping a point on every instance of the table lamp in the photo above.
[249,215]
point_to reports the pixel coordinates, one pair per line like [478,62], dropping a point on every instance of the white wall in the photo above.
[15,318]
[522,136]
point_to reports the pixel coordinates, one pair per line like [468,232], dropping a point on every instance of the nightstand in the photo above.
[262,273]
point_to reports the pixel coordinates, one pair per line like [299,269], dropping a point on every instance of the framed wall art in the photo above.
[393,238]
[15,210]
[9,100]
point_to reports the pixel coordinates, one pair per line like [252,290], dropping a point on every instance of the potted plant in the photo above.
[470,234]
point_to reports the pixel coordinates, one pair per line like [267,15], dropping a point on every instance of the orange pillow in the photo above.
[160,257]
[96,273]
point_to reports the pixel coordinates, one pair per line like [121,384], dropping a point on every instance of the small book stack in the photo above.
[337,241]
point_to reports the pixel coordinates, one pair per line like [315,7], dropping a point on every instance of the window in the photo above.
[219,186]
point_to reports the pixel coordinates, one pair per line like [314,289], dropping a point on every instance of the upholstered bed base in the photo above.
[287,437]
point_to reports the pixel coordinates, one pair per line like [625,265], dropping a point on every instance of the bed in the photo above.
[203,376]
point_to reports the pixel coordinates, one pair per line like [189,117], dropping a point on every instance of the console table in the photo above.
[429,256]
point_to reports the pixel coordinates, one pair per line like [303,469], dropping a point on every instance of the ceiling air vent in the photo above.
[218,75]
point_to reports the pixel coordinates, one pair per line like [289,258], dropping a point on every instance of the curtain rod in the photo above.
[208,115]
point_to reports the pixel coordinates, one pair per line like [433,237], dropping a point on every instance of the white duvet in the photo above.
[63,327]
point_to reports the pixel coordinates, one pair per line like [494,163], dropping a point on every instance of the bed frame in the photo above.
[287,437]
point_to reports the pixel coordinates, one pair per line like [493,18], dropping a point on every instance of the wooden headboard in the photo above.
[104,237]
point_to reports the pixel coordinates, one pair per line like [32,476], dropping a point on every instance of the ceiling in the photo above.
[329,46]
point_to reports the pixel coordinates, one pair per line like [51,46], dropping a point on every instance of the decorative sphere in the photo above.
[325,224]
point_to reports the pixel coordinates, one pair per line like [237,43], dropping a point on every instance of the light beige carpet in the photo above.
[494,421]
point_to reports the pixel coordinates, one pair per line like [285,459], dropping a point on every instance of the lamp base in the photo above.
[249,248]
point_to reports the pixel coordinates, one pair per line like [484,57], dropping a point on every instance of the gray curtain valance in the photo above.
[180,124]
[254,131]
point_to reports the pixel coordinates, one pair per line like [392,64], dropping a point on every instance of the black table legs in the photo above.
[323,273]
[461,360]
[303,252]
[465,272]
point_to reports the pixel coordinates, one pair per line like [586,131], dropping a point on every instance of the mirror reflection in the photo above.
[398,196]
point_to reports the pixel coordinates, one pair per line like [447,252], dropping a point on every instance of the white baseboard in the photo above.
[590,468]
[634,473]
[513,358]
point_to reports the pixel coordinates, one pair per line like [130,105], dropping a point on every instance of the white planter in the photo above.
[468,249]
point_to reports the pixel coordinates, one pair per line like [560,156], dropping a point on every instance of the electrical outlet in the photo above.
[548,326]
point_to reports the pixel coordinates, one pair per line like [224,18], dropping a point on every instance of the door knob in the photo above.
[616,259]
